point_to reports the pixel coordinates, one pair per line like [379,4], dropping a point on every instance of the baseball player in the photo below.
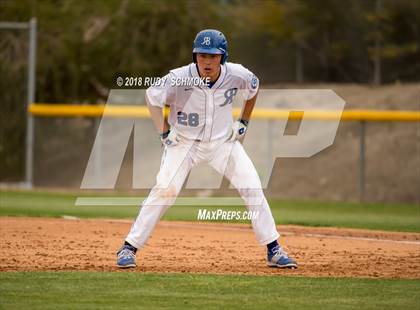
[200,129]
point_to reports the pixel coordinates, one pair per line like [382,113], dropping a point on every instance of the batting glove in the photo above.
[238,130]
[169,138]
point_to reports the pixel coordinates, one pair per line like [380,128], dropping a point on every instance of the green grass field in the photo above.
[107,290]
[113,290]
[392,217]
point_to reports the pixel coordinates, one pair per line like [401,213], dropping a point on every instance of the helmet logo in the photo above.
[206,41]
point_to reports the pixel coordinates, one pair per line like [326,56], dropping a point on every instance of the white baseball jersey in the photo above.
[199,112]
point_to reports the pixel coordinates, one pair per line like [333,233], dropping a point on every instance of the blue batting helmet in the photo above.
[210,41]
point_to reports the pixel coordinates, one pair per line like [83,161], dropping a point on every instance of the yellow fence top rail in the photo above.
[101,110]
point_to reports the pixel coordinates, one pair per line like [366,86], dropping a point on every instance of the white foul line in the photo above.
[287,233]
[358,238]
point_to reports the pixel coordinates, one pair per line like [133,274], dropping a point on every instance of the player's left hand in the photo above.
[238,130]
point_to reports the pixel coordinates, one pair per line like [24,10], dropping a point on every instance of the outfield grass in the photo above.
[392,217]
[115,290]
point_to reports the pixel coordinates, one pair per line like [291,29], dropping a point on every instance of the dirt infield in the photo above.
[40,244]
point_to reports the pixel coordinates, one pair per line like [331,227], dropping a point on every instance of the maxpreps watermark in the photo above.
[147,81]
[223,215]
[319,117]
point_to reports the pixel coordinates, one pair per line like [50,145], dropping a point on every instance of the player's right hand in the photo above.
[169,138]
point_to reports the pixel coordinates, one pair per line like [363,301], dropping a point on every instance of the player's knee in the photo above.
[245,182]
[167,192]
[252,196]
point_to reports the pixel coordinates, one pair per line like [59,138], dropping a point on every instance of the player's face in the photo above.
[209,65]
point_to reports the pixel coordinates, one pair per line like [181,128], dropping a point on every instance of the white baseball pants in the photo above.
[227,158]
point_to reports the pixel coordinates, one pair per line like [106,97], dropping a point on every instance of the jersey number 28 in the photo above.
[188,119]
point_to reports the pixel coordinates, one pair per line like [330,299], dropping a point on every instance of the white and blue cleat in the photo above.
[126,257]
[277,257]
